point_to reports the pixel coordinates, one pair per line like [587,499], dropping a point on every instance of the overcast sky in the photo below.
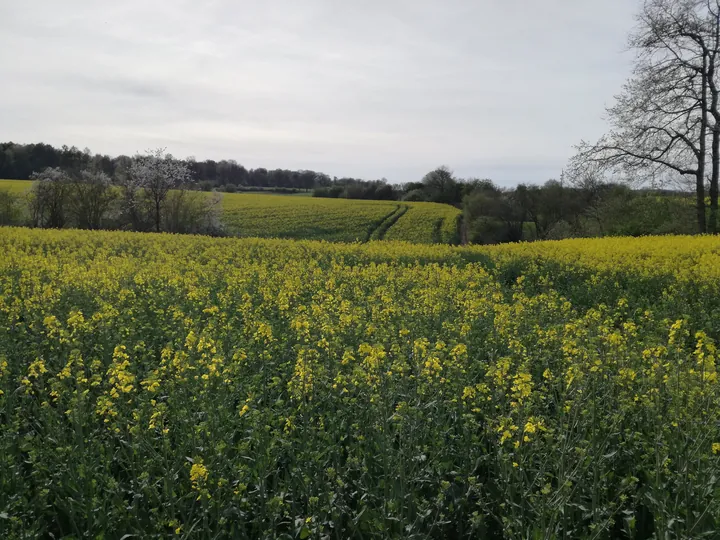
[497,89]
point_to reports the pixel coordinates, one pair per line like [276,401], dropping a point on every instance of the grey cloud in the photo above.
[493,88]
[116,85]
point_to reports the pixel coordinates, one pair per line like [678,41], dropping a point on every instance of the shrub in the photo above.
[48,198]
[11,208]
[192,212]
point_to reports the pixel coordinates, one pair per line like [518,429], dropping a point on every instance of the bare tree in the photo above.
[91,196]
[157,173]
[687,29]
[661,119]
[441,185]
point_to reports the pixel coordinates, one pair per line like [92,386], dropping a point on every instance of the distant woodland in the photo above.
[588,206]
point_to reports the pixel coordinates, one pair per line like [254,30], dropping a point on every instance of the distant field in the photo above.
[15,186]
[260,191]
[338,220]
[426,223]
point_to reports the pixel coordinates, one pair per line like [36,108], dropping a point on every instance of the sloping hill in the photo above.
[336,220]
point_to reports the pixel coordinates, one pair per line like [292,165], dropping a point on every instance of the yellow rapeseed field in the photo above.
[15,186]
[161,385]
[339,219]
[336,220]
[303,217]
[427,223]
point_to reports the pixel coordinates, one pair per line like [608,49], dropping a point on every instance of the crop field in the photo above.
[427,223]
[15,186]
[163,385]
[303,217]
[337,220]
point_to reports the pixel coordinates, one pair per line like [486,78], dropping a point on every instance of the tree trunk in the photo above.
[539,231]
[714,49]
[715,113]
[157,215]
[700,184]
[714,177]
[702,150]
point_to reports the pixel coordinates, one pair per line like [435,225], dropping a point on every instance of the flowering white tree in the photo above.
[157,173]
[48,197]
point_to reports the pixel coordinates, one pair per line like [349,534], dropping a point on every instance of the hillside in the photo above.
[345,220]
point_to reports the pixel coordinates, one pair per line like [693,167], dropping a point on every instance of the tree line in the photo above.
[157,192]
[557,209]
[149,192]
[20,161]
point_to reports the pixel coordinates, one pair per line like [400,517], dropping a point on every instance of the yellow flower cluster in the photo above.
[274,382]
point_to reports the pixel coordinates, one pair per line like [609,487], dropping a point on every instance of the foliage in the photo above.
[630,214]
[49,197]
[158,385]
[441,186]
[193,212]
[156,173]
[89,199]
[19,161]
[350,188]
[11,208]
[555,211]
[493,216]
[415,195]
[665,123]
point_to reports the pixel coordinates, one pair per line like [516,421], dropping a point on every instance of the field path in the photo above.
[389,221]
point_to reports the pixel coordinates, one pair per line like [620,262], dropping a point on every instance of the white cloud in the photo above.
[498,88]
